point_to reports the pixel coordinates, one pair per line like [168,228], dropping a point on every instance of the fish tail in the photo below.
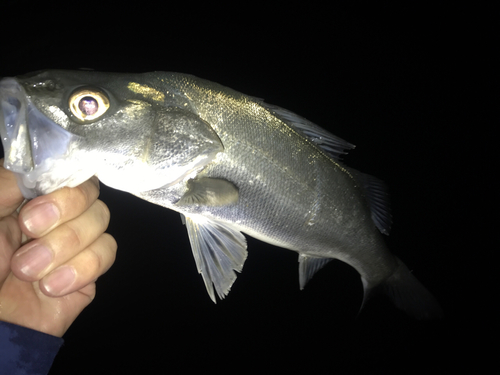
[409,295]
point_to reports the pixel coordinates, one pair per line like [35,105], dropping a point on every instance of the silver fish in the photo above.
[228,162]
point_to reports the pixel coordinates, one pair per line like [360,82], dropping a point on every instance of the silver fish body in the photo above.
[229,163]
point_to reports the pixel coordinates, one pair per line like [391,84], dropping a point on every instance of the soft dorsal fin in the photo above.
[334,146]
[375,192]
[308,266]
[218,251]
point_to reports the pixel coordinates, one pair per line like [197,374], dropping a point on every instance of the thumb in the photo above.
[10,195]
[10,233]
[10,241]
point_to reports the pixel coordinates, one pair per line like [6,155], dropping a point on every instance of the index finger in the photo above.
[44,213]
[10,195]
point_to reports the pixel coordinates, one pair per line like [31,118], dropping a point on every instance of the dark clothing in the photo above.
[25,351]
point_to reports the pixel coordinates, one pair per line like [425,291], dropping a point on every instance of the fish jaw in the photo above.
[36,149]
[14,127]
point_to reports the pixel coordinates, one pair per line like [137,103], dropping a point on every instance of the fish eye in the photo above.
[88,104]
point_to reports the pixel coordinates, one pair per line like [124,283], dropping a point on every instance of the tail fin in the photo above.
[409,295]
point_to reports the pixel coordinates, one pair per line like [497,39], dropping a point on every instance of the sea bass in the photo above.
[228,162]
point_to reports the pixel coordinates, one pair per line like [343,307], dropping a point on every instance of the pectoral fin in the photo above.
[218,251]
[213,192]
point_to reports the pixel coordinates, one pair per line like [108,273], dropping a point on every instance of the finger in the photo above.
[43,214]
[10,197]
[81,270]
[10,240]
[39,257]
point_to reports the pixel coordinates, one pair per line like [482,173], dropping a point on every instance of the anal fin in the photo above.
[308,266]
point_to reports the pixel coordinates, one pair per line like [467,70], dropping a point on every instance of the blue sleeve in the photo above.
[25,351]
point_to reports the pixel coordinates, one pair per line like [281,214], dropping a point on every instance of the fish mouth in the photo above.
[32,142]
[13,127]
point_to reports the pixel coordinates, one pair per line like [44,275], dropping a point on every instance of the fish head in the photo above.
[59,128]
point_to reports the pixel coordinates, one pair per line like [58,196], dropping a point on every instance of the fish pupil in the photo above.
[88,105]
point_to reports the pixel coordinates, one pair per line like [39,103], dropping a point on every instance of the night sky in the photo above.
[408,86]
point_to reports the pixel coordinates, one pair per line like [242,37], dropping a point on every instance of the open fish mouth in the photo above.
[14,127]
[32,143]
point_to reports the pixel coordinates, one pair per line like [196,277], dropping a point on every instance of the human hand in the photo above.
[47,282]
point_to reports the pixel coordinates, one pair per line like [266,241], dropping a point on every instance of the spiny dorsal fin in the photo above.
[334,146]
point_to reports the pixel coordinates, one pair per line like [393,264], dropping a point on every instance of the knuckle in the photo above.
[104,208]
[84,194]
[90,189]
[110,240]
[103,213]
[73,236]
[112,244]
[102,254]
[95,260]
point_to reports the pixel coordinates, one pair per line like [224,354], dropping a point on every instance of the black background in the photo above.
[410,86]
